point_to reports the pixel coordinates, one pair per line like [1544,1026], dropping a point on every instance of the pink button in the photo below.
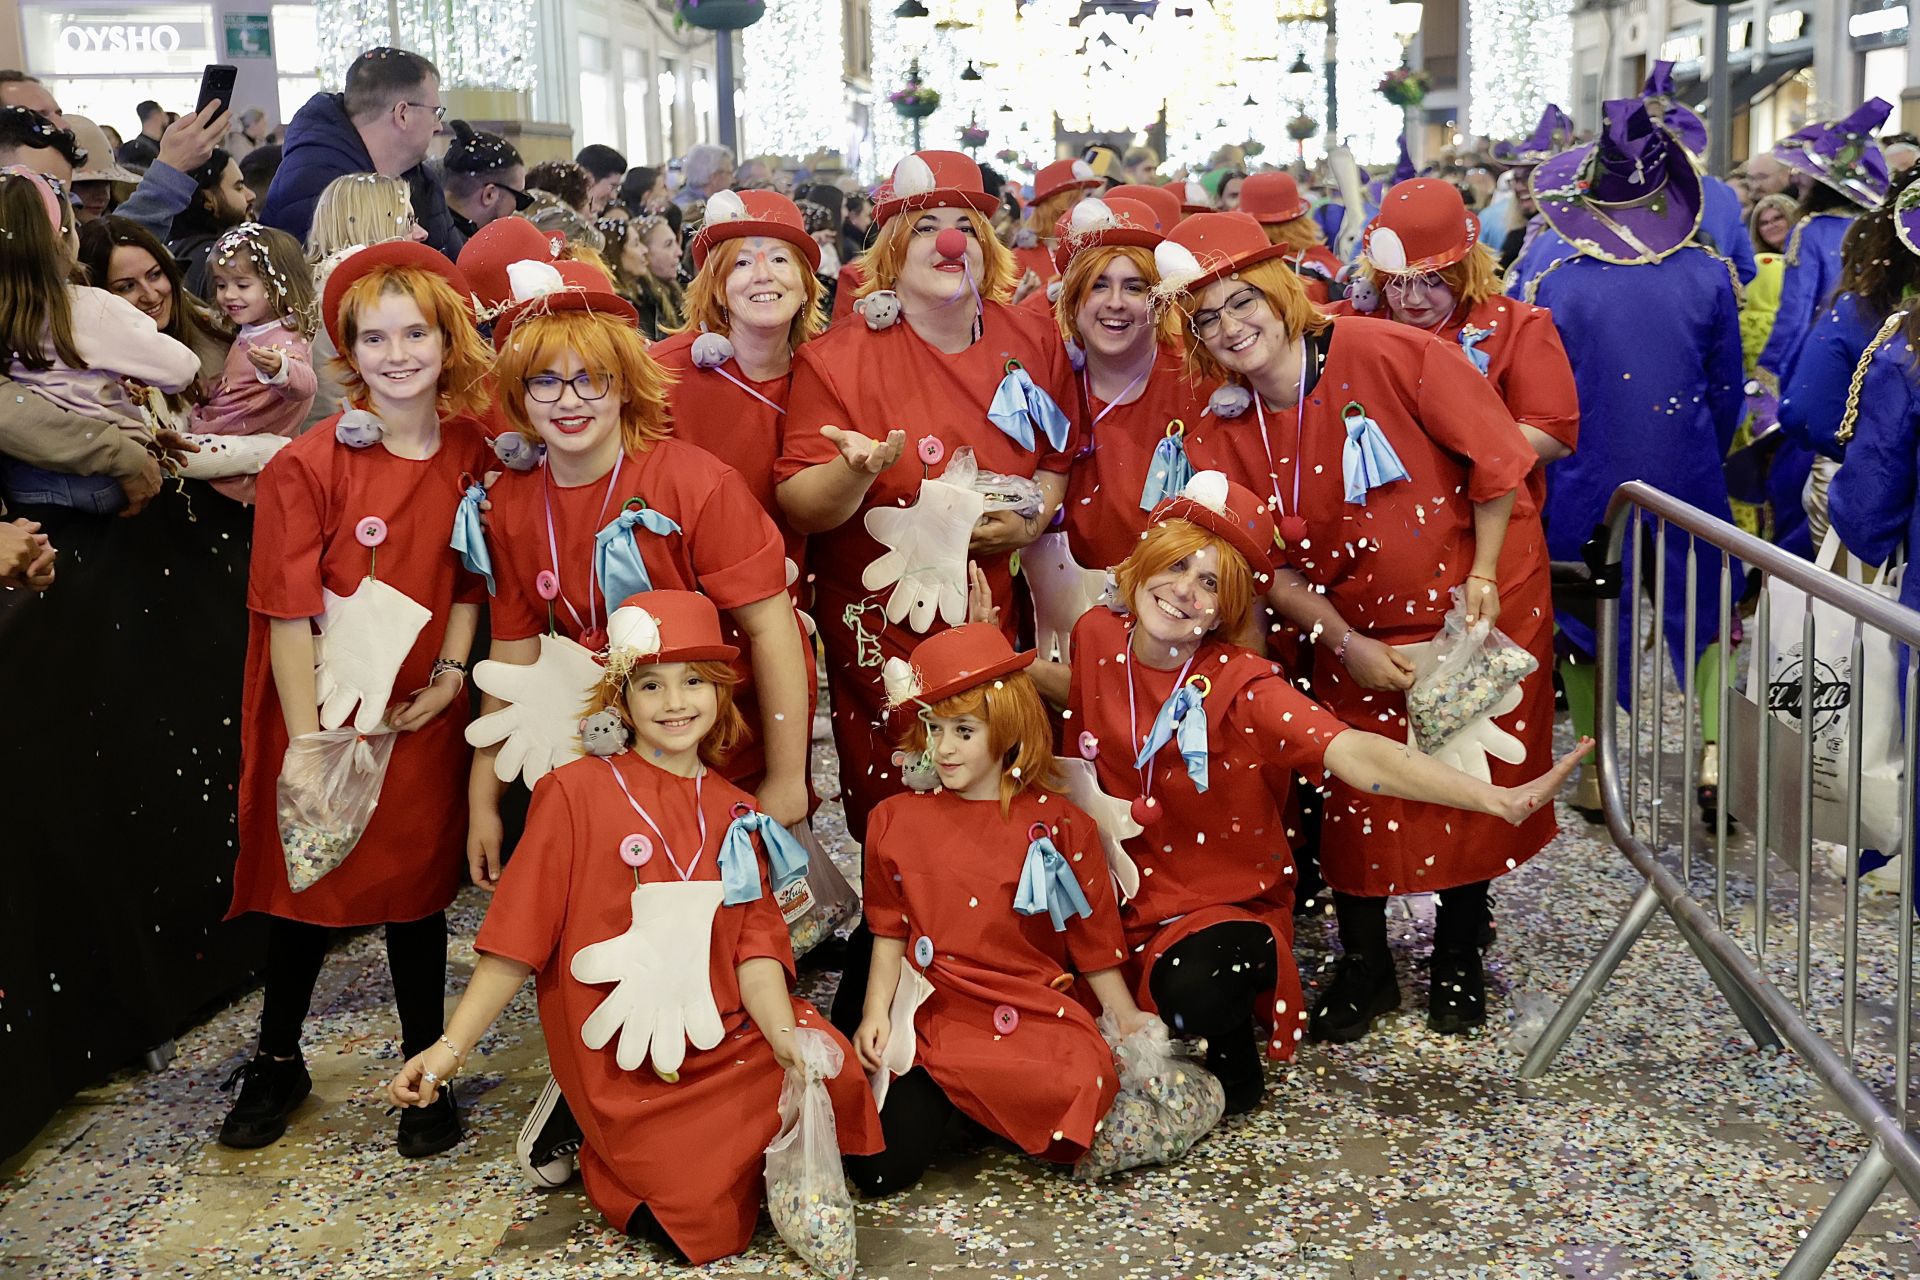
[931,450]
[1006,1019]
[636,850]
[371,531]
[1089,745]
[546,584]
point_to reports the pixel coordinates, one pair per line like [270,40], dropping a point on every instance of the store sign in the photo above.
[150,40]
[1785,28]
[1877,22]
[249,35]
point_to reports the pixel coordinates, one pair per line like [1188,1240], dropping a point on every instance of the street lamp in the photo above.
[1403,18]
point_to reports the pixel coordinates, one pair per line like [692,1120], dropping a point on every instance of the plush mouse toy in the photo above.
[357,429]
[516,452]
[880,309]
[602,734]
[916,770]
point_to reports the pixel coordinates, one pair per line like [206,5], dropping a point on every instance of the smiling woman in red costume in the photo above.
[938,358]
[1181,728]
[1403,471]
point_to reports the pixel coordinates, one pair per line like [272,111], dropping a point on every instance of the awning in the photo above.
[1750,84]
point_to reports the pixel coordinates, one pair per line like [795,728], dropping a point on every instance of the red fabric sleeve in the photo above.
[1537,381]
[1462,413]
[1097,941]
[846,284]
[515,613]
[886,911]
[529,908]
[812,403]
[289,539]
[1292,730]
[736,549]
[763,930]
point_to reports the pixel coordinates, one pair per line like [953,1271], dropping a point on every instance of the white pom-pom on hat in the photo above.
[912,177]
[900,680]
[633,630]
[530,279]
[1209,489]
[1092,214]
[725,206]
[1385,249]
[1083,172]
[1176,264]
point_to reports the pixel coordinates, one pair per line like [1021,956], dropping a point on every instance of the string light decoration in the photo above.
[786,110]
[1522,58]
[476,44]
[1368,50]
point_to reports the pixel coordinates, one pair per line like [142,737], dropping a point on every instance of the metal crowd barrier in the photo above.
[1639,818]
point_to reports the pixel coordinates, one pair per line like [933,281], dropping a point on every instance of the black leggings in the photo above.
[919,1122]
[1463,920]
[416,956]
[1206,983]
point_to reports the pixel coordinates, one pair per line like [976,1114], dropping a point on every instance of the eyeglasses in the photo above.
[545,388]
[520,197]
[1239,306]
[439,113]
[1428,283]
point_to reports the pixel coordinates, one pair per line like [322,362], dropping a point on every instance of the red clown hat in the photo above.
[409,254]
[1273,197]
[1210,246]
[1063,175]
[955,661]
[492,249]
[1229,509]
[1422,226]
[934,180]
[733,215]
[668,626]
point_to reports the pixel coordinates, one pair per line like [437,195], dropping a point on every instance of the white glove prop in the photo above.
[1468,749]
[897,1059]
[539,730]
[221,457]
[1114,817]
[1062,591]
[926,557]
[806,619]
[363,640]
[662,1000]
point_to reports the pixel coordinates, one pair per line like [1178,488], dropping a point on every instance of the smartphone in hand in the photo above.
[216,81]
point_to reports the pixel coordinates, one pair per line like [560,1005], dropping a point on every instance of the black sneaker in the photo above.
[1235,1062]
[549,1140]
[1363,988]
[270,1091]
[1457,996]
[429,1130]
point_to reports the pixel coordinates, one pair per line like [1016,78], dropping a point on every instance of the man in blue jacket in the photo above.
[385,122]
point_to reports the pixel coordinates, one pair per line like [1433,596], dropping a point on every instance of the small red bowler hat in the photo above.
[956,660]
[1064,175]
[1273,197]
[734,215]
[1210,246]
[1422,226]
[667,626]
[484,260]
[934,180]
[1230,509]
[397,254]
[544,289]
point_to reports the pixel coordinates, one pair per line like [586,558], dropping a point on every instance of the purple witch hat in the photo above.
[1630,197]
[1403,171]
[1670,113]
[1553,134]
[1843,154]
[1906,216]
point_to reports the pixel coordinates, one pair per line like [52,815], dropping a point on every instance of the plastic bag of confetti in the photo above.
[821,903]
[807,1193]
[1473,669]
[1019,494]
[329,784]
[1167,1102]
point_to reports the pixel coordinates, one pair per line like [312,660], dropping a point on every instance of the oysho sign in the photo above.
[73,40]
[93,37]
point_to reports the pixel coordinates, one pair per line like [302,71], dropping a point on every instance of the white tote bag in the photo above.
[1881,765]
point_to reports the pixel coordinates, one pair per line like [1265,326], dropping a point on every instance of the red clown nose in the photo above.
[950,243]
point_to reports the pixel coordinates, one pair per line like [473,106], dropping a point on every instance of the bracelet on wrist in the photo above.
[443,665]
[1482,577]
[1340,653]
[454,1048]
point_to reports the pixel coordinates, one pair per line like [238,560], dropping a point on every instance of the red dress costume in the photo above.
[1388,566]
[1038,259]
[1217,855]
[692,1151]
[412,858]
[727,549]
[873,381]
[945,868]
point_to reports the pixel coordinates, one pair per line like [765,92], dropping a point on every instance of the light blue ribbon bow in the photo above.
[617,564]
[1470,340]
[470,536]
[1182,719]
[740,870]
[1169,470]
[1018,404]
[1368,460]
[1047,884]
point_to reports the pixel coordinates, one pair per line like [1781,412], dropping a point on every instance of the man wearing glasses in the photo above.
[384,122]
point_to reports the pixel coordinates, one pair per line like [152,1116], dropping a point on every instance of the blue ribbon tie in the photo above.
[1182,719]
[1470,340]
[1047,884]
[470,536]
[1167,473]
[1018,405]
[740,870]
[617,564]
[1368,461]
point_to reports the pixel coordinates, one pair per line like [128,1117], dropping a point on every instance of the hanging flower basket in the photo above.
[719,15]
[1405,87]
[1300,128]
[915,101]
[1253,146]
[972,137]
[1007,155]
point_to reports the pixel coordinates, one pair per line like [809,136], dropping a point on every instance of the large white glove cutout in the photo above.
[223,456]
[663,999]
[363,640]
[926,557]
[540,729]
[1468,749]
[1062,591]
[1113,816]
[908,995]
